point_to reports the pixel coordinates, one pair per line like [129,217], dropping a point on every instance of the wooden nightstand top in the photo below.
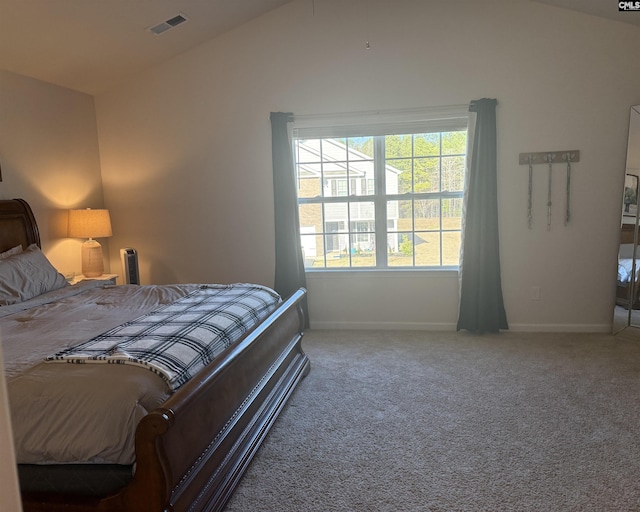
[104,277]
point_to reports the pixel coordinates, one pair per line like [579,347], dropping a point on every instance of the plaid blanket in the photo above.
[179,339]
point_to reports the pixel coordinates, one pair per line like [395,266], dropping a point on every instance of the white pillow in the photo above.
[27,275]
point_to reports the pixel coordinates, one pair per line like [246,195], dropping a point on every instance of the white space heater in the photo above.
[130,271]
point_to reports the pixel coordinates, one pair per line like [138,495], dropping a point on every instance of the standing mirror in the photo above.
[627,308]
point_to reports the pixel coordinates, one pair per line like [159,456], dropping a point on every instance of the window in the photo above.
[381,201]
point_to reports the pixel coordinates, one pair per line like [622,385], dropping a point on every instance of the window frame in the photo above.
[456,119]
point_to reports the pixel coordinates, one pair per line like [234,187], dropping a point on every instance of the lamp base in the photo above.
[92,262]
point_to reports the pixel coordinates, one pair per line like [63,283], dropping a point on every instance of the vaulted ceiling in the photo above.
[91,45]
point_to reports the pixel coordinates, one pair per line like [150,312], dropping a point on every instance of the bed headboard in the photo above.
[17,224]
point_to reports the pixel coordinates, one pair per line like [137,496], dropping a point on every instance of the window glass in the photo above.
[417,181]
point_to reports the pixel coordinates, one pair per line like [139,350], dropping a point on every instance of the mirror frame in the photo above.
[633,141]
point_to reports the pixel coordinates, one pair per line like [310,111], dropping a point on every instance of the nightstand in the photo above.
[107,278]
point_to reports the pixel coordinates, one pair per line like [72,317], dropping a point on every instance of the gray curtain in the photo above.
[289,263]
[481,302]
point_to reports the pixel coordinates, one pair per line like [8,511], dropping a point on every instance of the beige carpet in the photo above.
[421,421]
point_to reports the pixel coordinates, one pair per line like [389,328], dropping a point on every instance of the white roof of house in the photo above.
[335,157]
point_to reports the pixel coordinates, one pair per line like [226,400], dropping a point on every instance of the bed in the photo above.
[189,451]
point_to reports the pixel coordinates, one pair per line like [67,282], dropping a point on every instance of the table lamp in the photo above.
[90,224]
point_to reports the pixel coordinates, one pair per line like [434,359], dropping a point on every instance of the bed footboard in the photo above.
[192,452]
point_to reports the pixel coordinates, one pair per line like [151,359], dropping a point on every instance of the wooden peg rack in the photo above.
[557,157]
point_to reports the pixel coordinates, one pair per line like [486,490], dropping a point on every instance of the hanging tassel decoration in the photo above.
[568,212]
[530,195]
[530,159]
[549,159]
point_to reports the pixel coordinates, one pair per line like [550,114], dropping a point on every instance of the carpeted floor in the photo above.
[423,421]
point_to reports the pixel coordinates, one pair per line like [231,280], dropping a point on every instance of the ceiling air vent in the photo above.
[168,24]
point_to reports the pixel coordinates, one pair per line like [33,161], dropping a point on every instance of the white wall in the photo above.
[49,156]
[186,156]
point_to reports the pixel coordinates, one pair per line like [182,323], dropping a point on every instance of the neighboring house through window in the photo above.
[390,200]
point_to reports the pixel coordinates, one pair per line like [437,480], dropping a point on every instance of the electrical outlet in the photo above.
[535,293]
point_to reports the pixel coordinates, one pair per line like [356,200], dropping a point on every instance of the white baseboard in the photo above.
[586,328]
[443,326]
[383,326]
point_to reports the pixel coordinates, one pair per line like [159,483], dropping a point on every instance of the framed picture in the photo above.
[630,199]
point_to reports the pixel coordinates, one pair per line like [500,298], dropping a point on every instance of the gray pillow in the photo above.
[11,252]
[27,275]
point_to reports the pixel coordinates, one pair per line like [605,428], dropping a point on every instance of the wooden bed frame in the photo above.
[192,452]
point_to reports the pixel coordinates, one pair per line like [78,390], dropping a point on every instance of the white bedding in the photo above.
[178,340]
[72,315]
[624,270]
[78,413]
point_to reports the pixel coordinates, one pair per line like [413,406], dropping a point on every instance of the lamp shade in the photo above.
[89,223]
